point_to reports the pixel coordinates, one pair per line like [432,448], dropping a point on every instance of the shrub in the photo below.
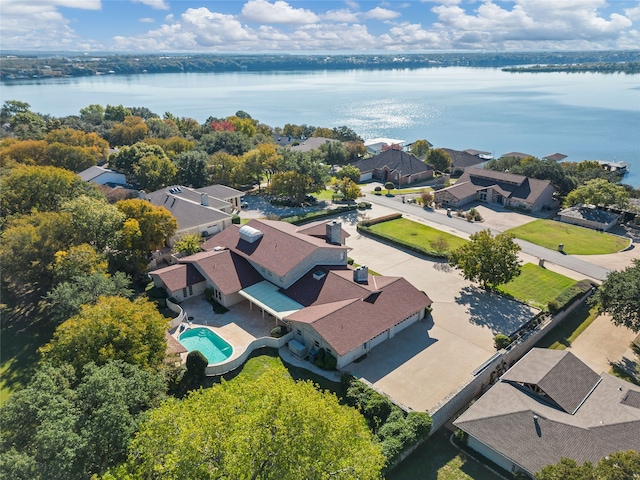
[235,218]
[421,423]
[377,190]
[279,331]
[385,218]
[553,306]
[350,261]
[427,198]
[461,436]
[364,205]
[196,364]
[501,341]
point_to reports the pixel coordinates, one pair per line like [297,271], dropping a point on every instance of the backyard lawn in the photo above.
[568,330]
[416,234]
[536,286]
[576,240]
[437,459]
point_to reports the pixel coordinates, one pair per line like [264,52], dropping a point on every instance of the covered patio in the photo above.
[268,299]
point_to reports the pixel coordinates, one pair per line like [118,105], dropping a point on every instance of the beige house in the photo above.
[507,189]
[299,277]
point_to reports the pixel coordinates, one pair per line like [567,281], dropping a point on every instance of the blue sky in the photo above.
[321,26]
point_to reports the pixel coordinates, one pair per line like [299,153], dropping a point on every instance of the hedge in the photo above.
[375,221]
[570,295]
[308,217]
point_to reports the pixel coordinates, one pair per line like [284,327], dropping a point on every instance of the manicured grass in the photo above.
[576,322]
[576,240]
[325,194]
[437,459]
[536,286]
[414,233]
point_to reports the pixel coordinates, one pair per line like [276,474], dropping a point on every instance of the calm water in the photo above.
[585,116]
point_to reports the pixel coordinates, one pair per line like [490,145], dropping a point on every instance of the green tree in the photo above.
[233,143]
[389,186]
[29,246]
[114,328]
[94,221]
[28,188]
[93,114]
[116,113]
[619,296]
[335,153]
[292,185]
[598,192]
[128,157]
[78,260]
[70,157]
[269,427]
[567,469]
[351,172]
[188,244]
[128,132]
[66,427]
[624,465]
[439,159]
[154,173]
[155,224]
[419,148]
[65,299]
[192,168]
[490,260]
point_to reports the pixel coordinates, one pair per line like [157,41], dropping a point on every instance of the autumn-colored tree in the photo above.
[76,261]
[154,224]
[96,146]
[188,244]
[269,427]
[172,146]
[28,152]
[114,328]
[130,131]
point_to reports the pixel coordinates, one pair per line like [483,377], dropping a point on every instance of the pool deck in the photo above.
[239,326]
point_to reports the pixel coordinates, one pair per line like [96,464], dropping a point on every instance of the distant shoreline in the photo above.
[37,66]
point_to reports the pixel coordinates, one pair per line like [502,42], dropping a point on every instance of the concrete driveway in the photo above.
[421,365]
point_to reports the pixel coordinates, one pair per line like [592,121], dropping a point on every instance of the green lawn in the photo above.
[417,234]
[536,286]
[576,240]
[437,459]
[324,194]
[406,191]
[576,322]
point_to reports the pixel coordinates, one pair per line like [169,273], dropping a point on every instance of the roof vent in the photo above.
[361,274]
[218,248]
[319,275]
[204,199]
[250,234]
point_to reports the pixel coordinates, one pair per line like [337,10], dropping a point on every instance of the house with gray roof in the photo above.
[311,143]
[300,277]
[103,176]
[551,405]
[200,211]
[507,189]
[395,166]
[462,160]
[589,216]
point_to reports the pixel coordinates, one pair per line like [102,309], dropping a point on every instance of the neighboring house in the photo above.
[461,161]
[195,210]
[589,216]
[103,176]
[556,157]
[299,276]
[519,155]
[479,153]
[395,166]
[507,189]
[618,167]
[312,143]
[375,146]
[222,192]
[551,405]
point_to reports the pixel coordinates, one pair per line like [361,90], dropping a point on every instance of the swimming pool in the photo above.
[215,348]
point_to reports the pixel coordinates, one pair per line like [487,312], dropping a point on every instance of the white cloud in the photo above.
[264,12]
[344,16]
[409,36]
[379,13]
[633,13]
[155,4]
[147,20]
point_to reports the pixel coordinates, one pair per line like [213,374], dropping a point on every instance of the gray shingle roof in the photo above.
[220,191]
[505,420]
[463,159]
[393,159]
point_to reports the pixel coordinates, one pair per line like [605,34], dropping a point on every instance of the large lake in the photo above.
[586,116]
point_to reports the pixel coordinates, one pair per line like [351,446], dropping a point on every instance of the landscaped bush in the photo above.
[501,341]
[570,295]
[350,261]
[156,292]
[196,365]
[364,205]
[235,218]
[553,306]
[461,436]
[307,217]
[375,221]
[325,361]
[279,331]
[377,190]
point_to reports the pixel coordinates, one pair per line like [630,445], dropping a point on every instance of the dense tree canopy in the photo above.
[67,427]
[128,157]
[154,224]
[419,148]
[114,328]
[598,192]
[619,296]
[192,168]
[266,428]
[490,260]
[623,465]
[439,159]
[94,221]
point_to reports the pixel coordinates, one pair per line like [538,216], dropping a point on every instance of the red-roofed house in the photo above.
[301,277]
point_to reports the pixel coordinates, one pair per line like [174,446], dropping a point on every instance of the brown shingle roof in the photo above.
[280,249]
[503,418]
[393,159]
[346,323]
[225,269]
[178,276]
[174,347]
[319,230]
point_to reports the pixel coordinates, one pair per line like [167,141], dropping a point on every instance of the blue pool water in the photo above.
[213,347]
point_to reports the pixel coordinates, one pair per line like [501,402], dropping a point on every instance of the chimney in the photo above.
[334,232]
[361,274]
[204,199]
[142,195]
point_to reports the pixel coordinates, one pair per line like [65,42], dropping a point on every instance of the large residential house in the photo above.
[551,405]
[299,276]
[311,143]
[507,189]
[205,211]
[395,166]
[375,146]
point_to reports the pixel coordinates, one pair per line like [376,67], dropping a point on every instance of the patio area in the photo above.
[239,326]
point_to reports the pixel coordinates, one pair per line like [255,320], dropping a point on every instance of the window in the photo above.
[299,332]
[317,344]
[184,292]
[190,290]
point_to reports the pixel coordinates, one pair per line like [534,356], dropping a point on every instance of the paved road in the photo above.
[572,263]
